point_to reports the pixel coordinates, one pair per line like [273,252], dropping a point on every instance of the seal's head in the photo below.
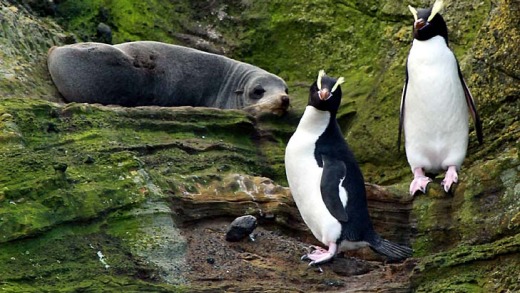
[266,93]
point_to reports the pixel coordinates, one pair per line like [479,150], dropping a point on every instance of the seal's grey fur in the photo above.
[152,73]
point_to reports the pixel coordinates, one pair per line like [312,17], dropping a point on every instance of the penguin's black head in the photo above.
[429,22]
[325,93]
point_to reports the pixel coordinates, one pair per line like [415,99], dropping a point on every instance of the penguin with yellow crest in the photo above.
[326,182]
[434,104]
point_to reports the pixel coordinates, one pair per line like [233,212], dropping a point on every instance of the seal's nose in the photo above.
[285,101]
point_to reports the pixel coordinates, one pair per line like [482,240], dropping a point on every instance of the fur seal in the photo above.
[148,73]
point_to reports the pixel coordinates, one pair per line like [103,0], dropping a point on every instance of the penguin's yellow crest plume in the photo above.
[413,11]
[320,76]
[338,82]
[437,6]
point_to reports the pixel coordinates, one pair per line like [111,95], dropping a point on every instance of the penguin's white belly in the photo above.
[436,114]
[304,177]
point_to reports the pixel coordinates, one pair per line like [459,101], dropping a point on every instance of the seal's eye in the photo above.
[258,92]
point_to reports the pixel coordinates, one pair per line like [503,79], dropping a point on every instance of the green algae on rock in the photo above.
[92,178]
[482,209]
[41,135]
[81,255]
[24,42]
[76,175]
[490,267]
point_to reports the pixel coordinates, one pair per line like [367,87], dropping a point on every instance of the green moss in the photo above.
[482,209]
[75,162]
[489,267]
[129,20]
[366,42]
[465,26]
[67,167]
[67,259]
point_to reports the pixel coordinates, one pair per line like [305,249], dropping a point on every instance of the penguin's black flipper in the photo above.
[334,172]
[390,249]
[401,111]
[472,107]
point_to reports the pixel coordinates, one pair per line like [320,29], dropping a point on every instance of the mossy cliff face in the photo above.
[24,41]
[80,161]
[106,198]
[365,41]
[86,181]
[84,187]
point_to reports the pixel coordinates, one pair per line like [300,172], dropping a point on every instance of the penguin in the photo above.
[327,184]
[434,104]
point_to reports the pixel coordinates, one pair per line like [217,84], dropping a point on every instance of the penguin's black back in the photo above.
[332,144]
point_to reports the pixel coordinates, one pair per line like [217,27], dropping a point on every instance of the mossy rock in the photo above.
[85,173]
[366,42]
[74,162]
[106,254]
[78,179]
[491,267]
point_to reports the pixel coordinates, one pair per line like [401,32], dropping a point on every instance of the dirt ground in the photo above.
[271,263]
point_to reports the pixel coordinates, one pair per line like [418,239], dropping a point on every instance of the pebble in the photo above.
[241,228]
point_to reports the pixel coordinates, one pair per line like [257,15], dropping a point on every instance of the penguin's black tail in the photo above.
[390,249]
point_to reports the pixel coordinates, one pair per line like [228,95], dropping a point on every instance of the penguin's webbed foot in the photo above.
[450,178]
[420,182]
[319,255]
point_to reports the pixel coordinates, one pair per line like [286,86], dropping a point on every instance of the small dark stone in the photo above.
[89,160]
[60,167]
[223,168]
[104,33]
[333,283]
[210,260]
[240,228]
[51,127]
[351,266]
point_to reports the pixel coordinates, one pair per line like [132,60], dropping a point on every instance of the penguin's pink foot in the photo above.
[318,255]
[420,181]
[450,178]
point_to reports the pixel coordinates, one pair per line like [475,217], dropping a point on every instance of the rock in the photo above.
[89,160]
[351,266]
[103,33]
[60,167]
[24,44]
[241,228]
[156,202]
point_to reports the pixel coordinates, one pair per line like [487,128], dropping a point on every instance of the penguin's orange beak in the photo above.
[419,24]
[324,94]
